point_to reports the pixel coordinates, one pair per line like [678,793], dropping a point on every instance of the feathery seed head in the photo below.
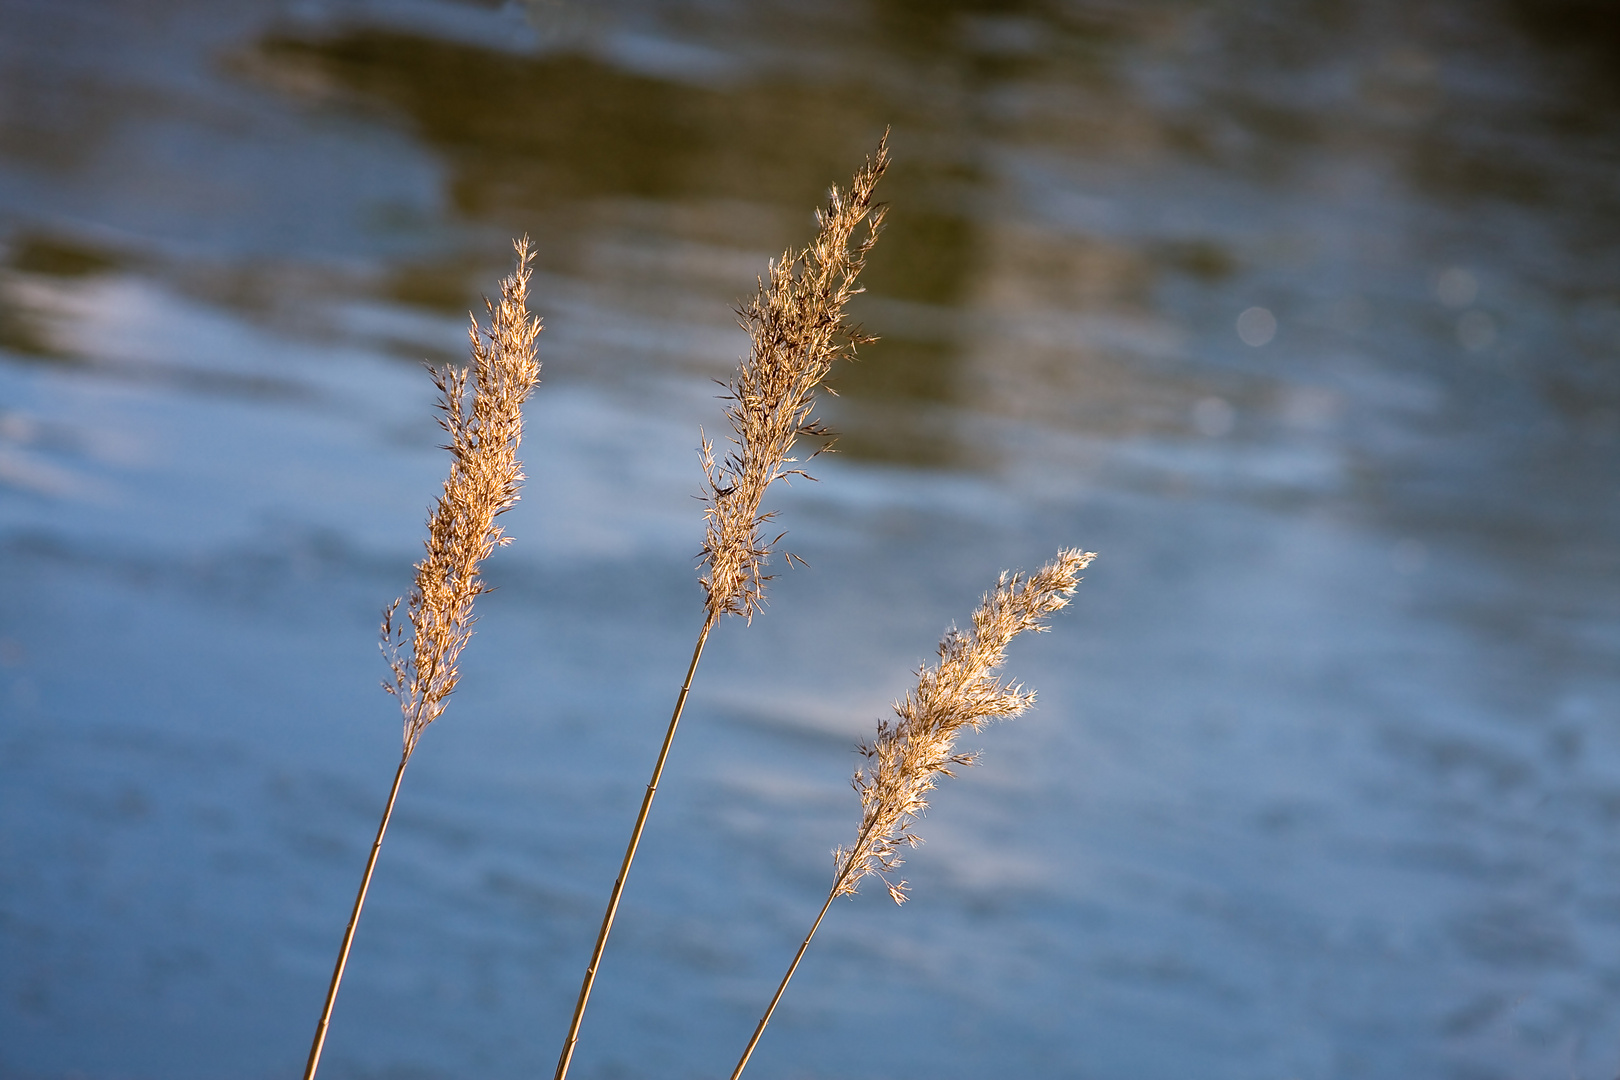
[905,760]
[797,329]
[485,477]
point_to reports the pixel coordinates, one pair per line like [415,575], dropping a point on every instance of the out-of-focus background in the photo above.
[1305,315]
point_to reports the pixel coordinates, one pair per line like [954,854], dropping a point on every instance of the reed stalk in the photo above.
[797,330]
[484,482]
[907,758]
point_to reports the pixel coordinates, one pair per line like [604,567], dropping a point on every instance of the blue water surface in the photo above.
[1306,317]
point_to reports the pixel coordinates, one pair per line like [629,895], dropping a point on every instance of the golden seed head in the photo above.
[960,691]
[797,329]
[485,477]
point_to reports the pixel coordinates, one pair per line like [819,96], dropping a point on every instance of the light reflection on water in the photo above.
[1324,776]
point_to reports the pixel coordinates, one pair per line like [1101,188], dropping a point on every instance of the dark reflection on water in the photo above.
[1325,779]
[529,138]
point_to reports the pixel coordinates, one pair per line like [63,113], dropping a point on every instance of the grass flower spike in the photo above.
[483,483]
[910,754]
[797,331]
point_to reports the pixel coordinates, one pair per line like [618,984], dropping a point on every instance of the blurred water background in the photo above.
[1305,315]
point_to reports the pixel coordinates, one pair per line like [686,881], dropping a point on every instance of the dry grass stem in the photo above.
[908,757]
[462,532]
[483,484]
[798,329]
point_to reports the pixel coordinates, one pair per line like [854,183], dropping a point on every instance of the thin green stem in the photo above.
[354,920]
[629,856]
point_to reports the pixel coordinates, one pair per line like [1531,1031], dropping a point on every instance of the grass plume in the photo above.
[485,477]
[797,331]
[483,483]
[909,755]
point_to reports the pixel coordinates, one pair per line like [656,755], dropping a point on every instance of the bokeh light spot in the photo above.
[1256,326]
[1456,287]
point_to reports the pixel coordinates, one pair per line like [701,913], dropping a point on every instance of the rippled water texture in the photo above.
[1305,315]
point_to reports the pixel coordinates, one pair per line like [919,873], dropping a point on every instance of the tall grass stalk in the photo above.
[484,482]
[908,757]
[798,329]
